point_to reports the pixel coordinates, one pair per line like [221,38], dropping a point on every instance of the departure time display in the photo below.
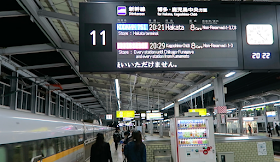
[151,37]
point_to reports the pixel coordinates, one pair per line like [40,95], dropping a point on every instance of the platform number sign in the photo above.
[98,37]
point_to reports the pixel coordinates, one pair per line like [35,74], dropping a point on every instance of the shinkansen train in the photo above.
[26,137]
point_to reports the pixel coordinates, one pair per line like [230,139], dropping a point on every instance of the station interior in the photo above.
[52,104]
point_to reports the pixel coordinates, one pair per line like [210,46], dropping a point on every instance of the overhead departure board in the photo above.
[129,37]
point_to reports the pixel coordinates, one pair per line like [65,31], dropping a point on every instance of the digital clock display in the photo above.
[151,37]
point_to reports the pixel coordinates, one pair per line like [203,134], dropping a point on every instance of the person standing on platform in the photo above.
[135,151]
[117,138]
[277,129]
[100,150]
[269,130]
[249,129]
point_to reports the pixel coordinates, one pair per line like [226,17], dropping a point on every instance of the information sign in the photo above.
[125,114]
[117,37]
[153,116]
[201,112]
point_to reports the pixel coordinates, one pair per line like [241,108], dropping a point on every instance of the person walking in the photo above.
[100,150]
[269,130]
[117,138]
[135,151]
[277,129]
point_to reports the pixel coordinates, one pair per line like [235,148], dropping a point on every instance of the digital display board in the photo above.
[125,114]
[271,113]
[109,116]
[153,116]
[167,36]
[128,37]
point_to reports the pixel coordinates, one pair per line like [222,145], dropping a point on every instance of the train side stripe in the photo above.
[62,154]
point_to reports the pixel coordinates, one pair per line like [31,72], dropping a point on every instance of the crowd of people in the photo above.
[133,148]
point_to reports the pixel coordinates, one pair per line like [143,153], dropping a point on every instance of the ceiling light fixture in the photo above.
[200,89]
[118,92]
[230,74]
[168,106]
[262,104]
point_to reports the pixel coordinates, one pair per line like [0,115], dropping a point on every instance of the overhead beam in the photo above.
[69,47]
[36,48]
[74,91]
[94,106]
[85,99]
[13,13]
[42,66]
[167,79]
[64,76]
[59,16]
[81,95]
[74,85]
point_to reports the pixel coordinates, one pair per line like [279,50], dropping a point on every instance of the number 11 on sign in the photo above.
[102,33]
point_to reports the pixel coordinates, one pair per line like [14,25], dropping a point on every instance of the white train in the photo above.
[24,135]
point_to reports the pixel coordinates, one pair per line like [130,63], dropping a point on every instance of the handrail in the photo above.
[37,158]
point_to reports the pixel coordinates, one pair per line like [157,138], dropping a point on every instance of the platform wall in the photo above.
[246,151]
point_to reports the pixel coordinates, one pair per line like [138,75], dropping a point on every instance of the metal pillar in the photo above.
[47,102]
[14,86]
[240,116]
[57,106]
[176,109]
[71,110]
[219,101]
[144,128]
[65,108]
[160,129]
[151,128]
[266,120]
[34,89]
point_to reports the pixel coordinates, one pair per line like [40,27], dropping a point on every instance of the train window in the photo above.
[76,140]
[71,141]
[43,147]
[3,154]
[63,143]
[31,148]
[51,147]
[67,142]
[18,153]
[57,145]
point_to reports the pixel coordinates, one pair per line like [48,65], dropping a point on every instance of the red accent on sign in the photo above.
[205,152]
[208,148]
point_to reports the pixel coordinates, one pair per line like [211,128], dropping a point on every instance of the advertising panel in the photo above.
[125,114]
[109,116]
[271,113]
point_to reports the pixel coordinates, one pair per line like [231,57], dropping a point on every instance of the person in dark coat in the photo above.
[277,129]
[135,151]
[269,130]
[116,138]
[250,129]
[100,150]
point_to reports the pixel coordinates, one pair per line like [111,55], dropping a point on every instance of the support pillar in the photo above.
[47,102]
[151,128]
[71,110]
[160,129]
[14,87]
[34,89]
[144,128]
[266,120]
[219,101]
[57,106]
[65,108]
[176,109]
[240,116]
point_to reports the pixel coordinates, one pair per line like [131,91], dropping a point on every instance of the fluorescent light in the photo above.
[262,104]
[118,92]
[167,106]
[200,89]
[230,74]
[277,104]
[248,118]
[231,109]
